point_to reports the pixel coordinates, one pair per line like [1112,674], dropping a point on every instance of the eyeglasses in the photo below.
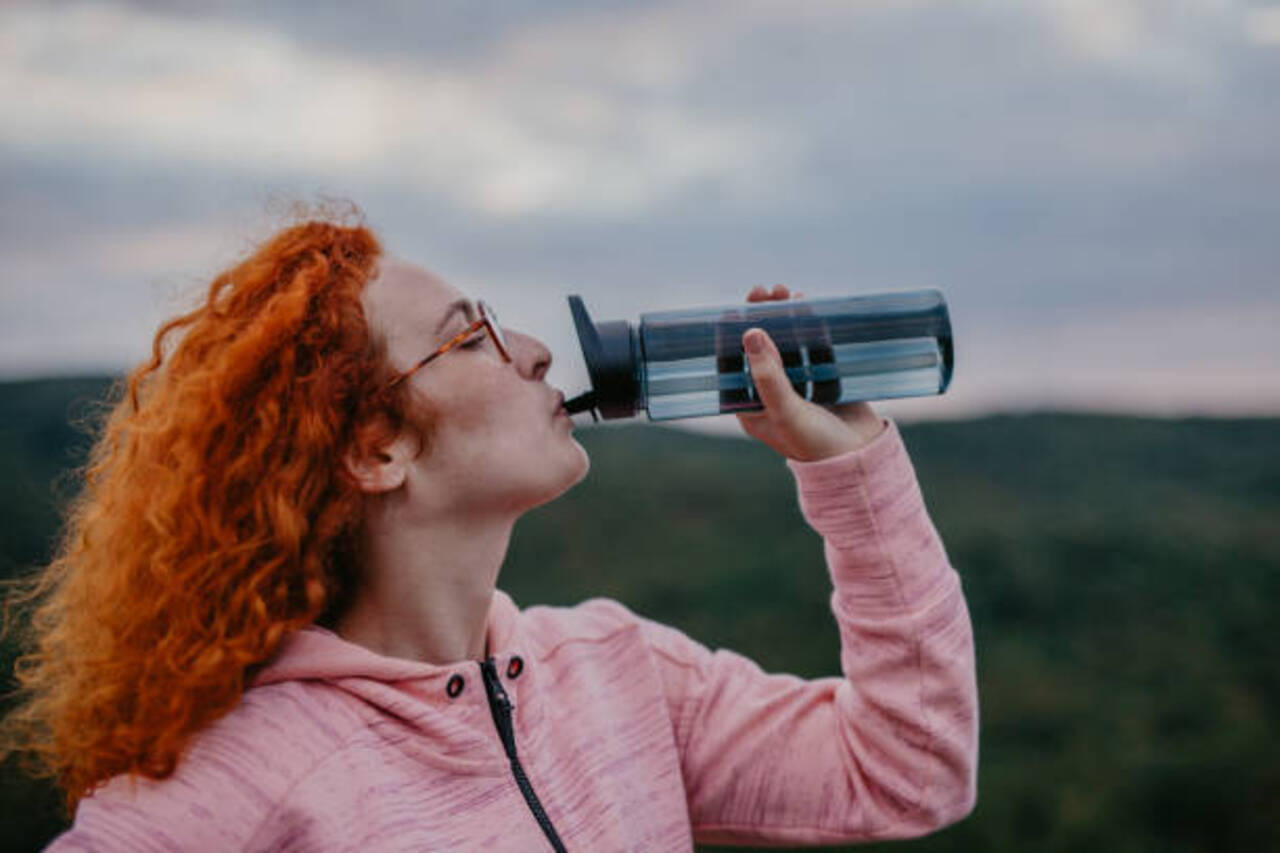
[485,319]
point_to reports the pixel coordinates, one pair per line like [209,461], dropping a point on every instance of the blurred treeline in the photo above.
[1121,574]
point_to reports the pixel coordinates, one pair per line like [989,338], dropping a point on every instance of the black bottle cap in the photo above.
[609,350]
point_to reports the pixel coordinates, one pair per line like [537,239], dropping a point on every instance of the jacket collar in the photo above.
[316,653]
[453,730]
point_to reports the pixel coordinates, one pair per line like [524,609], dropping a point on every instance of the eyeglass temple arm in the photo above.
[444,348]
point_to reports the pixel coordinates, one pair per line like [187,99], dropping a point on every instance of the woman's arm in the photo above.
[887,751]
[890,749]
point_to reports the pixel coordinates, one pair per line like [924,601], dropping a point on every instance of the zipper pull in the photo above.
[499,706]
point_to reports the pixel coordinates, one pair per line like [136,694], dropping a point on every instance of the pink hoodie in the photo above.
[630,735]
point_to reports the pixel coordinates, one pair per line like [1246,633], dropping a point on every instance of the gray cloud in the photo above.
[1101,175]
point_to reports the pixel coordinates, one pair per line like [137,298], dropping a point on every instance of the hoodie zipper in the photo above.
[500,707]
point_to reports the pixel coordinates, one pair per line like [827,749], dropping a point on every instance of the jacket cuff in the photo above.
[869,457]
[854,498]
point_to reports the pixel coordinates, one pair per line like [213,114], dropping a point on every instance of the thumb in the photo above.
[770,379]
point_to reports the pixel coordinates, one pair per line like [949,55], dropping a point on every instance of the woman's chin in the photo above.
[574,473]
[586,467]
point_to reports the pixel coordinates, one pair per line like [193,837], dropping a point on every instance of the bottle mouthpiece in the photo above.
[584,402]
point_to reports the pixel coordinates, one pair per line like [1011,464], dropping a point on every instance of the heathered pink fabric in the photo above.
[634,736]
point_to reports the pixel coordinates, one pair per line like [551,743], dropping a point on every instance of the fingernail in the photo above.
[754,341]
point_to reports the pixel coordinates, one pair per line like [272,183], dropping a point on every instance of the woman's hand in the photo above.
[790,424]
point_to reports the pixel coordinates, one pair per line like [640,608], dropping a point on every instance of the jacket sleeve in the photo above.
[887,751]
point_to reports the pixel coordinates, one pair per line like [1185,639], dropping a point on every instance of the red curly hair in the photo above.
[215,518]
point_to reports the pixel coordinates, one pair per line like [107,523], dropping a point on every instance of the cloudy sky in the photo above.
[1094,184]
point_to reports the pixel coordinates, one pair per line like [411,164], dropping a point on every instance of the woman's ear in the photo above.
[376,463]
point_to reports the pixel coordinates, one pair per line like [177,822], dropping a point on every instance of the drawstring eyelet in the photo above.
[515,666]
[455,685]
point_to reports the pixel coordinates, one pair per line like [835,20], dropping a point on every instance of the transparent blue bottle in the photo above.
[684,364]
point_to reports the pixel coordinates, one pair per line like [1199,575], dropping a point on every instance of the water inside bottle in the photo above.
[865,348]
[879,370]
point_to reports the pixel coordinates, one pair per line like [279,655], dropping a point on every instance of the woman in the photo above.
[273,622]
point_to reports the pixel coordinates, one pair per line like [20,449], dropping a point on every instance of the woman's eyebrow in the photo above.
[463,305]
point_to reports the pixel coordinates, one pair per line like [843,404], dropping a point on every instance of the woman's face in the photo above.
[499,440]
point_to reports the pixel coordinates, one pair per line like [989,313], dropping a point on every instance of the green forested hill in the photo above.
[1121,574]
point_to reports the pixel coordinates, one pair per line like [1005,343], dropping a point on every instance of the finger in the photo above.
[797,295]
[758,293]
[781,291]
[772,385]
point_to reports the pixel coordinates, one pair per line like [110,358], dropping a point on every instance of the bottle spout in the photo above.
[584,402]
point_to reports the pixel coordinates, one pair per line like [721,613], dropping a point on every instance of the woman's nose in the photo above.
[531,356]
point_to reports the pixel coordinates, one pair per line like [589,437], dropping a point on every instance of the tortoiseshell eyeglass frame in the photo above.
[485,319]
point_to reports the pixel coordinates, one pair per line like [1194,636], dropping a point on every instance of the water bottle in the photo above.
[684,364]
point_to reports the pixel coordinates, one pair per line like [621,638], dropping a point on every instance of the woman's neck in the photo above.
[425,589]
